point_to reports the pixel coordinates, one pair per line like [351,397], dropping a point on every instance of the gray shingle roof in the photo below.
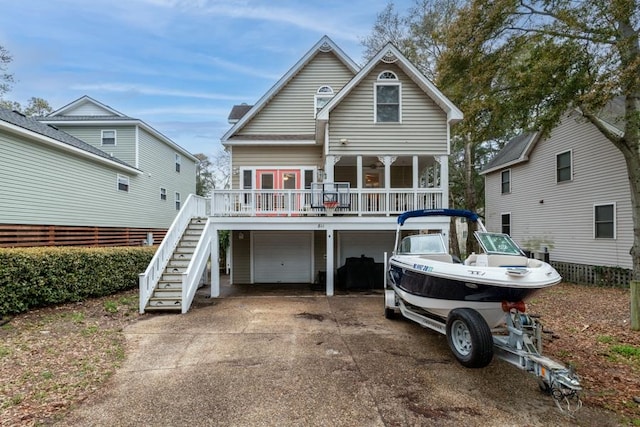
[34,125]
[514,150]
[237,112]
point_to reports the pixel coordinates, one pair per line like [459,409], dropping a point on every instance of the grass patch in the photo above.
[626,350]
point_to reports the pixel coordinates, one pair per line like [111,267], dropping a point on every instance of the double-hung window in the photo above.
[604,218]
[108,137]
[505,225]
[505,182]
[177,201]
[178,162]
[563,167]
[387,98]
[163,194]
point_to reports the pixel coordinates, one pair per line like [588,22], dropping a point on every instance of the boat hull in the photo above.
[439,287]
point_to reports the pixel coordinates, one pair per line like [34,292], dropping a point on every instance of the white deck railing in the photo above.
[304,202]
[195,206]
[191,277]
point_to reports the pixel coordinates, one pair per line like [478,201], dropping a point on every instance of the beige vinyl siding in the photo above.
[423,129]
[125,148]
[88,109]
[157,161]
[563,212]
[47,186]
[292,156]
[291,111]
[241,248]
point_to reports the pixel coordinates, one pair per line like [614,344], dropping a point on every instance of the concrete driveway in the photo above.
[308,360]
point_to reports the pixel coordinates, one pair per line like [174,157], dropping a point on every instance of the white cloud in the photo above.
[148,90]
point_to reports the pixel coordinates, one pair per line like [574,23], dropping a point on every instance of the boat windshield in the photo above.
[422,244]
[497,243]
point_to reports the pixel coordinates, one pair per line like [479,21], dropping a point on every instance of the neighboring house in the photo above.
[567,194]
[87,174]
[371,141]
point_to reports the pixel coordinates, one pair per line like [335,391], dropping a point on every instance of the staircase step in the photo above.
[176,308]
[187,244]
[184,249]
[168,293]
[175,269]
[180,263]
[163,284]
[171,277]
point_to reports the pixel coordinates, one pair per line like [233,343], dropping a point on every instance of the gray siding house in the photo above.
[87,165]
[568,193]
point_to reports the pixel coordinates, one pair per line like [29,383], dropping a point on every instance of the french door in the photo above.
[270,181]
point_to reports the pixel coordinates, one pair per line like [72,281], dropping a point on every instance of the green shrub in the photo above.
[36,277]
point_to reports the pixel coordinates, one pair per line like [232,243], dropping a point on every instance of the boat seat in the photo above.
[507,261]
[438,257]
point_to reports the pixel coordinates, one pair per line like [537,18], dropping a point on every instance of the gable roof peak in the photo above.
[82,101]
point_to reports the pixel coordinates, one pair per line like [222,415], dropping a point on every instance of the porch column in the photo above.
[387,161]
[330,263]
[215,264]
[444,179]
[359,201]
[330,163]
[416,180]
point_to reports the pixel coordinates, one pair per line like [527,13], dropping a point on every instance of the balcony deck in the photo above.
[358,202]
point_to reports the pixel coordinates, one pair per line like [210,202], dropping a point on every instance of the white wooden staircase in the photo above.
[167,295]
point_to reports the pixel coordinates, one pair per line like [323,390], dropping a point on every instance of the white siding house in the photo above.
[567,193]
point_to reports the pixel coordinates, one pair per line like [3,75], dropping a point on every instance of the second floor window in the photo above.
[108,137]
[506,181]
[163,194]
[178,162]
[387,98]
[323,96]
[177,201]
[563,167]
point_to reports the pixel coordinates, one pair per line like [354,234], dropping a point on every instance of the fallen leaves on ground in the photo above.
[591,331]
[52,359]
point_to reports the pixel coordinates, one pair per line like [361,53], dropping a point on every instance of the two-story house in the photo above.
[567,193]
[88,175]
[324,162]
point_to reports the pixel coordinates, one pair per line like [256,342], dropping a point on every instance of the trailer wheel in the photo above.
[469,338]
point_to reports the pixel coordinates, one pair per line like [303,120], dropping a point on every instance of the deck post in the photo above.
[215,263]
[330,264]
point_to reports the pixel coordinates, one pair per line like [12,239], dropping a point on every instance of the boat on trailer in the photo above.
[425,275]
[478,303]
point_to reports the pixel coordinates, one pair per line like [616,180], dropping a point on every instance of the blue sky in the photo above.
[178,65]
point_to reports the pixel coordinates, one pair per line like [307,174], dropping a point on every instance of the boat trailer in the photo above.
[519,343]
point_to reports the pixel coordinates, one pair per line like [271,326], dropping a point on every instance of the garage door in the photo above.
[372,244]
[282,257]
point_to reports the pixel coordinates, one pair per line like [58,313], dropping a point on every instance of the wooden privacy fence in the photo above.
[616,277]
[20,235]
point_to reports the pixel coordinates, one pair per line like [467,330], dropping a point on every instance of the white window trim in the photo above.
[115,137]
[383,81]
[320,94]
[163,192]
[555,169]
[177,200]
[615,223]
[510,175]
[125,180]
[178,163]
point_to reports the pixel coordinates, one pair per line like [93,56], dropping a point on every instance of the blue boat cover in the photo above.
[471,216]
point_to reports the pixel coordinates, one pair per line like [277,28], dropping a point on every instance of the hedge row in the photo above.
[37,277]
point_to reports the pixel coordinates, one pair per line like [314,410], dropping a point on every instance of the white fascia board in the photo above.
[66,147]
[125,122]
[519,160]
[285,79]
[81,100]
[269,142]
[454,114]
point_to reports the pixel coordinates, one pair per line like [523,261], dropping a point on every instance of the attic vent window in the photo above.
[322,97]
[387,98]
[108,137]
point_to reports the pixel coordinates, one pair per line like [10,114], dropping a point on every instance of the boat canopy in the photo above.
[471,216]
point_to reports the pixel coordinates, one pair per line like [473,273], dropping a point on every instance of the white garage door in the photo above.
[282,257]
[372,244]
